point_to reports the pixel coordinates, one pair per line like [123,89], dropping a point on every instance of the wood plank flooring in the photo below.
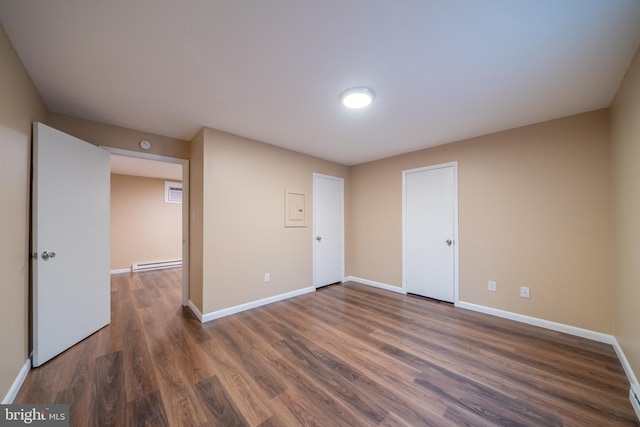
[346,355]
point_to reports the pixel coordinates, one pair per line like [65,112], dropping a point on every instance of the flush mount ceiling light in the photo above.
[357,97]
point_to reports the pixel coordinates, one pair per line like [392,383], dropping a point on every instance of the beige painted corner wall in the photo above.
[244,184]
[196,223]
[625,137]
[143,227]
[20,105]
[534,210]
[118,137]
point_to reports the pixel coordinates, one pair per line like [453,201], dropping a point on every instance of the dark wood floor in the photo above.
[345,355]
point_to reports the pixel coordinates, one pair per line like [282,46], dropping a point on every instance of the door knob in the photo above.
[448,242]
[318,238]
[48,254]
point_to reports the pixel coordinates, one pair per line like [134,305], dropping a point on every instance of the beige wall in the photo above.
[625,137]
[118,137]
[143,227]
[20,104]
[534,210]
[196,224]
[244,236]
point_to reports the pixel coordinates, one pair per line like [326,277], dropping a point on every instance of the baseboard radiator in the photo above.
[634,396]
[156,265]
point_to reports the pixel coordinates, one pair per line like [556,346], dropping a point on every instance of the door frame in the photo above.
[456,240]
[314,231]
[185,206]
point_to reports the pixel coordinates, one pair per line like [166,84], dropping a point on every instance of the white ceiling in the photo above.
[442,70]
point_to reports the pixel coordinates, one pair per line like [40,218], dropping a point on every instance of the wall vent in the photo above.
[172,192]
[156,265]
[634,396]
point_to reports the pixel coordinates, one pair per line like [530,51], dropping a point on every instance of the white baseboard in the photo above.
[195,310]
[634,395]
[15,387]
[631,376]
[121,270]
[559,327]
[249,305]
[624,362]
[374,284]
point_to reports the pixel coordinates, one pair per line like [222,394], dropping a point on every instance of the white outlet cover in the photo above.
[492,286]
[267,277]
[524,292]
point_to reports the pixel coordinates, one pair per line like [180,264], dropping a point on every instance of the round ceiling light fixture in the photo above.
[357,97]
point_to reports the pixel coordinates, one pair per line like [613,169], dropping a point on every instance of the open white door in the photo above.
[328,229]
[70,241]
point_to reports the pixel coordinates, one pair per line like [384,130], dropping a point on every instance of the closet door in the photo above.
[429,232]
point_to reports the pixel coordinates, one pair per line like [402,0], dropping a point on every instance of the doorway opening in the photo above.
[173,171]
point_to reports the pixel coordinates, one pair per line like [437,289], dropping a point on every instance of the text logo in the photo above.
[34,415]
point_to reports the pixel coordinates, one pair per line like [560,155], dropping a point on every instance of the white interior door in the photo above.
[328,229]
[70,240]
[430,200]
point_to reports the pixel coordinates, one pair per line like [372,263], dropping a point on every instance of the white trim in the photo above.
[625,363]
[139,154]
[634,389]
[185,206]
[249,305]
[121,270]
[17,383]
[634,395]
[195,310]
[314,233]
[559,327]
[375,284]
[456,240]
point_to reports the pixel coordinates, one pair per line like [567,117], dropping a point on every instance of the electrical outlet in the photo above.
[492,286]
[524,291]
[267,277]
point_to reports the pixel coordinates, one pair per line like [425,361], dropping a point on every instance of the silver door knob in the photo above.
[448,242]
[318,238]
[48,254]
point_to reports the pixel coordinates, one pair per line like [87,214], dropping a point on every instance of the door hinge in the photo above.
[33,255]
